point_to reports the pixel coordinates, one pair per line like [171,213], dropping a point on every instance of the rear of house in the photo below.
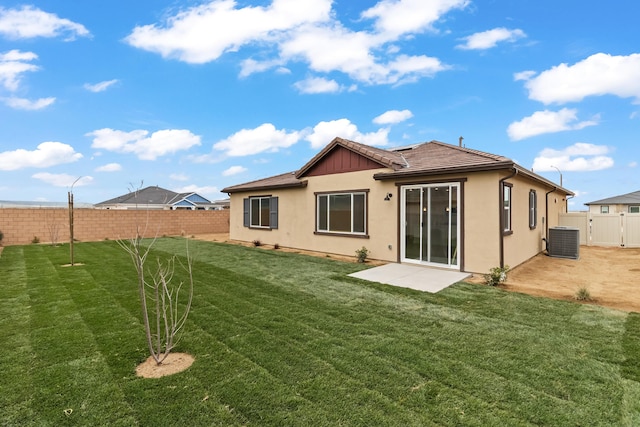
[432,204]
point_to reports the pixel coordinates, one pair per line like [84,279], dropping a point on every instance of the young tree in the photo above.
[159,296]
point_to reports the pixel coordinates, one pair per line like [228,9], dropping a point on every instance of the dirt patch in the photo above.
[174,363]
[611,275]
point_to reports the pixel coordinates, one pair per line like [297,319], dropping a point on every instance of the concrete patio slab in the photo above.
[426,279]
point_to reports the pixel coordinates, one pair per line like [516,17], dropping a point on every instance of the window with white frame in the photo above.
[533,209]
[604,209]
[261,212]
[634,209]
[343,213]
[506,208]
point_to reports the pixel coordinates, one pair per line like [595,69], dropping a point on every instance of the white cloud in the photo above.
[317,85]
[490,38]
[578,157]
[100,87]
[392,117]
[234,170]
[264,138]
[110,167]
[29,22]
[599,74]
[143,145]
[62,179]
[45,155]
[303,31]
[178,177]
[27,104]
[206,190]
[202,33]
[324,132]
[632,164]
[523,75]
[546,121]
[397,17]
[13,64]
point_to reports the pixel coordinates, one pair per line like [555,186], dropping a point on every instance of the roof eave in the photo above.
[383,176]
[231,190]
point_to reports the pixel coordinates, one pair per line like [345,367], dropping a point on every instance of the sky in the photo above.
[101,98]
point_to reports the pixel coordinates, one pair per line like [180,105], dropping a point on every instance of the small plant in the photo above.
[276,246]
[496,276]
[582,294]
[362,254]
[1,237]
[35,240]
[257,243]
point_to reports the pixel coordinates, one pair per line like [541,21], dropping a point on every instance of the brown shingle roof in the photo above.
[437,157]
[429,158]
[284,180]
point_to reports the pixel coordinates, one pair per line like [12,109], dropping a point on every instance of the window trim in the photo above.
[533,209]
[637,209]
[507,228]
[272,205]
[604,208]
[363,192]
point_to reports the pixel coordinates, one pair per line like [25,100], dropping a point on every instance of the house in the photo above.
[433,203]
[159,198]
[625,203]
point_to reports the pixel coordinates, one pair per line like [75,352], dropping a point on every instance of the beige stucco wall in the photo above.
[296,217]
[481,210]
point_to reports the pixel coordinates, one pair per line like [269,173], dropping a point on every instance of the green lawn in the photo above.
[282,339]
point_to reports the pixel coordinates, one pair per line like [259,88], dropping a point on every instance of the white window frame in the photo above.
[634,209]
[259,223]
[507,200]
[533,209]
[327,230]
[604,209]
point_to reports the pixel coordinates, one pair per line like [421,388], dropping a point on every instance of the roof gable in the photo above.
[342,155]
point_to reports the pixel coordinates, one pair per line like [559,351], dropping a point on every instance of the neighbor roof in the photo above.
[429,158]
[624,199]
[155,195]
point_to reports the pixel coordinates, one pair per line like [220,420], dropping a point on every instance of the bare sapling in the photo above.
[162,315]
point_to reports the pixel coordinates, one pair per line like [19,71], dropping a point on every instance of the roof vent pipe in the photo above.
[460,141]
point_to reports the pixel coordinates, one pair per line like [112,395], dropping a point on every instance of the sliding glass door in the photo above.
[430,229]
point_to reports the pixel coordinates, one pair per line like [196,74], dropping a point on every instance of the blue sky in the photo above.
[199,95]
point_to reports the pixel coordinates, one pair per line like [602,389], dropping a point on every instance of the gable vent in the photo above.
[564,242]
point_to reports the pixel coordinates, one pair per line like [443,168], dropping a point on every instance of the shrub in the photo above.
[496,276]
[276,246]
[257,243]
[582,294]
[1,237]
[35,240]
[362,254]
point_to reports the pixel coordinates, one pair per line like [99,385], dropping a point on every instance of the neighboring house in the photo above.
[433,203]
[159,198]
[625,203]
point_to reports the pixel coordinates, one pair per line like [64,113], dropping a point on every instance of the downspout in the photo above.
[546,218]
[500,195]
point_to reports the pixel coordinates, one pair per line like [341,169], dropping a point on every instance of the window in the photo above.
[533,209]
[341,213]
[634,209]
[261,212]
[604,209]
[506,208]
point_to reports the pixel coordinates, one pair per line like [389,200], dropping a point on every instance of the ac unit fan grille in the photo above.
[564,242]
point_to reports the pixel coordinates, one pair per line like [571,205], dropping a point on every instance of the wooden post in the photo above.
[71,225]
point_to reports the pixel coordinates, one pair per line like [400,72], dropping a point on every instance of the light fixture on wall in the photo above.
[388,197]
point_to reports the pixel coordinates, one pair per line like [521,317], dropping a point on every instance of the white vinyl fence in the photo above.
[605,229]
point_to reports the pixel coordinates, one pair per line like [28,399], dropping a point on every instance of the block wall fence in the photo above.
[21,225]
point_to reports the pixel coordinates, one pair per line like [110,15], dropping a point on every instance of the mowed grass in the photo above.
[283,339]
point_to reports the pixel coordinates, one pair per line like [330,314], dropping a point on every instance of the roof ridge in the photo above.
[470,150]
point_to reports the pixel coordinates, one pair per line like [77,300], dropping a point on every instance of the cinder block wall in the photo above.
[20,226]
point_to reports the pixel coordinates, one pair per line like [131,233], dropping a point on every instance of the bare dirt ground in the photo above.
[174,363]
[611,275]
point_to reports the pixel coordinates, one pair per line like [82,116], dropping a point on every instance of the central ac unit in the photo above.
[564,242]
